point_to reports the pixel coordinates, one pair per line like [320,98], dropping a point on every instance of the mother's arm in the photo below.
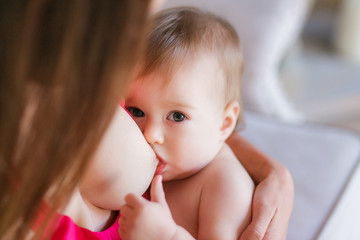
[274,192]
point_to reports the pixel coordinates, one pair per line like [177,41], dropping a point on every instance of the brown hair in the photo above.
[177,34]
[63,67]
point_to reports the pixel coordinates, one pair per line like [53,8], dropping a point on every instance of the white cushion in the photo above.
[321,160]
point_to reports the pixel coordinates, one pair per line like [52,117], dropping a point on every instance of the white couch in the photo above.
[324,163]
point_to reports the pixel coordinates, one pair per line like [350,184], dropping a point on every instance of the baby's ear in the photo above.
[230,115]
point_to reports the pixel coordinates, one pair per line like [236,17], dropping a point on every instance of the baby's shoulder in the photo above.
[226,194]
[226,174]
[225,166]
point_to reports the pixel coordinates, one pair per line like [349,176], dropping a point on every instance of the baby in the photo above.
[186,101]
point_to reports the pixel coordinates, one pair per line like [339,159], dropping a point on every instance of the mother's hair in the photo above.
[63,67]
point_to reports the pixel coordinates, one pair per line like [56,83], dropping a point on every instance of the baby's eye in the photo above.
[135,112]
[177,117]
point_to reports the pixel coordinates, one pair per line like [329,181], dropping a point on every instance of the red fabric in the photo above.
[67,229]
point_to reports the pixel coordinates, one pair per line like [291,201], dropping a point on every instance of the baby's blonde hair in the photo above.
[178,34]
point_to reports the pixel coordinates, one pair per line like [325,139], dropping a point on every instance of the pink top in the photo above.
[67,229]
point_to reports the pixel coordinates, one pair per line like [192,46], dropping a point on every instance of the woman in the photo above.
[64,66]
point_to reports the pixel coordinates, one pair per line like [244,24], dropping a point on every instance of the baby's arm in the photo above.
[225,204]
[150,220]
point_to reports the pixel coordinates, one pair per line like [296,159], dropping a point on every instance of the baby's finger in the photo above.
[134,201]
[125,211]
[124,225]
[122,233]
[122,222]
[157,191]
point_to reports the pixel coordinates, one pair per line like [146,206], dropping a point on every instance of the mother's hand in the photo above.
[274,193]
[272,206]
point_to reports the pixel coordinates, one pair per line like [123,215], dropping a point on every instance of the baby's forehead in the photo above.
[204,69]
[195,62]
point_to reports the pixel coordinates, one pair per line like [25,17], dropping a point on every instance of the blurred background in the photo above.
[321,73]
[309,47]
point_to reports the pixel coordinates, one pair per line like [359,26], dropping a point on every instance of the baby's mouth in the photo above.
[161,165]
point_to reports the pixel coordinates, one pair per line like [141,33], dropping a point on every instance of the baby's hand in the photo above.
[142,219]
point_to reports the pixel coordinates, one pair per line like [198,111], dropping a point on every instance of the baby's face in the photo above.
[181,120]
[124,163]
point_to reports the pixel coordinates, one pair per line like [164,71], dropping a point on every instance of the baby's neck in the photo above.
[87,215]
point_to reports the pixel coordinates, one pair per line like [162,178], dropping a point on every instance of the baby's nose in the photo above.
[153,133]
